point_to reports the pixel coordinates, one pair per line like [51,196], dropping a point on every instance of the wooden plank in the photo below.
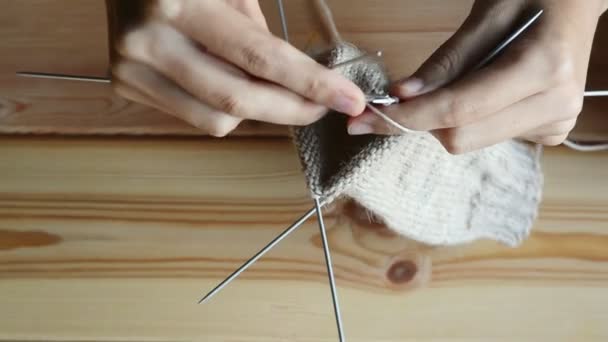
[117,239]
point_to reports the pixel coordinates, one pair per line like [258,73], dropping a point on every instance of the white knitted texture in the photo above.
[428,195]
[410,181]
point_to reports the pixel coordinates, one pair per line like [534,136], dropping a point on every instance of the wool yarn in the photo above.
[410,182]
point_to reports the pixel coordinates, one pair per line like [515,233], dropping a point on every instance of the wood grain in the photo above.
[49,36]
[116,239]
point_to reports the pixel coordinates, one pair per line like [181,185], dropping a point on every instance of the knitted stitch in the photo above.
[410,181]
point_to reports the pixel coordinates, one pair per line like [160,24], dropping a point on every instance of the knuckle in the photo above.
[553,140]
[457,111]
[568,126]
[574,105]
[170,9]
[559,128]
[176,68]
[156,42]
[564,127]
[448,62]
[230,104]
[146,43]
[256,60]
[133,44]
[314,87]
[560,64]
[570,100]
[453,142]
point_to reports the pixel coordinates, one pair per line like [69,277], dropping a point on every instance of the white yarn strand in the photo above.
[389,120]
[585,147]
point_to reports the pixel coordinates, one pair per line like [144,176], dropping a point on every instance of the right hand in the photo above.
[215,63]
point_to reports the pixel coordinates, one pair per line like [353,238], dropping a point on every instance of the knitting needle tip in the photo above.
[64,77]
[330,269]
[204,299]
[297,224]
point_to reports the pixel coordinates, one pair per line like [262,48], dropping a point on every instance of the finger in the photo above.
[484,28]
[132,94]
[552,129]
[216,83]
[548,140]
[252,9]
[508,81]
[261,54]
[170,98]
[510,123]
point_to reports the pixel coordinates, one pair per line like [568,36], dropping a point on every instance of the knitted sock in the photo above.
[411,183]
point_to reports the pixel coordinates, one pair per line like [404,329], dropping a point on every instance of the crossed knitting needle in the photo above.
[318,203]
[317,209]
[294,226]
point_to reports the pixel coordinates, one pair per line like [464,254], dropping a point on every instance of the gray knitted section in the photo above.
[411,183]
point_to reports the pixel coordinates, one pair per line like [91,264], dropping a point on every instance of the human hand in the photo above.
[214,64]
[534,91]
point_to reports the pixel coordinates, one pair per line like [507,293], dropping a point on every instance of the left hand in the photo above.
[533,91]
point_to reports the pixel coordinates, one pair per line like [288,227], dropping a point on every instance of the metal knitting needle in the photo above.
[64,77]
[389,100]
[596,93]
[515,35]
[509,40]
[330,269]
[283,20]
[297,224]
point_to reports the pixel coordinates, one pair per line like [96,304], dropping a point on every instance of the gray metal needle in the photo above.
[505,43]
[596,93]
[64,77]
[330,269]
[259,254]
[512,37]
[283,20]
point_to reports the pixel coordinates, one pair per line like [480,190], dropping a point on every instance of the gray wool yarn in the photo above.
[411,183]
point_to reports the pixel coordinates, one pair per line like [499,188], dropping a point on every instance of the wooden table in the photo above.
[116,239]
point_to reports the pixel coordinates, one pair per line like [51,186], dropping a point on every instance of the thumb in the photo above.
[485,27]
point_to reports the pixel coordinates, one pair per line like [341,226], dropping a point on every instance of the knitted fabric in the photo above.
[411,183]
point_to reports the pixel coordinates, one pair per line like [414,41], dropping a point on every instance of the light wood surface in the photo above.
[115,240]
[50,36]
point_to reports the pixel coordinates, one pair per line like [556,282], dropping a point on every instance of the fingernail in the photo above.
[360,128]
[411,86]
[345,104]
